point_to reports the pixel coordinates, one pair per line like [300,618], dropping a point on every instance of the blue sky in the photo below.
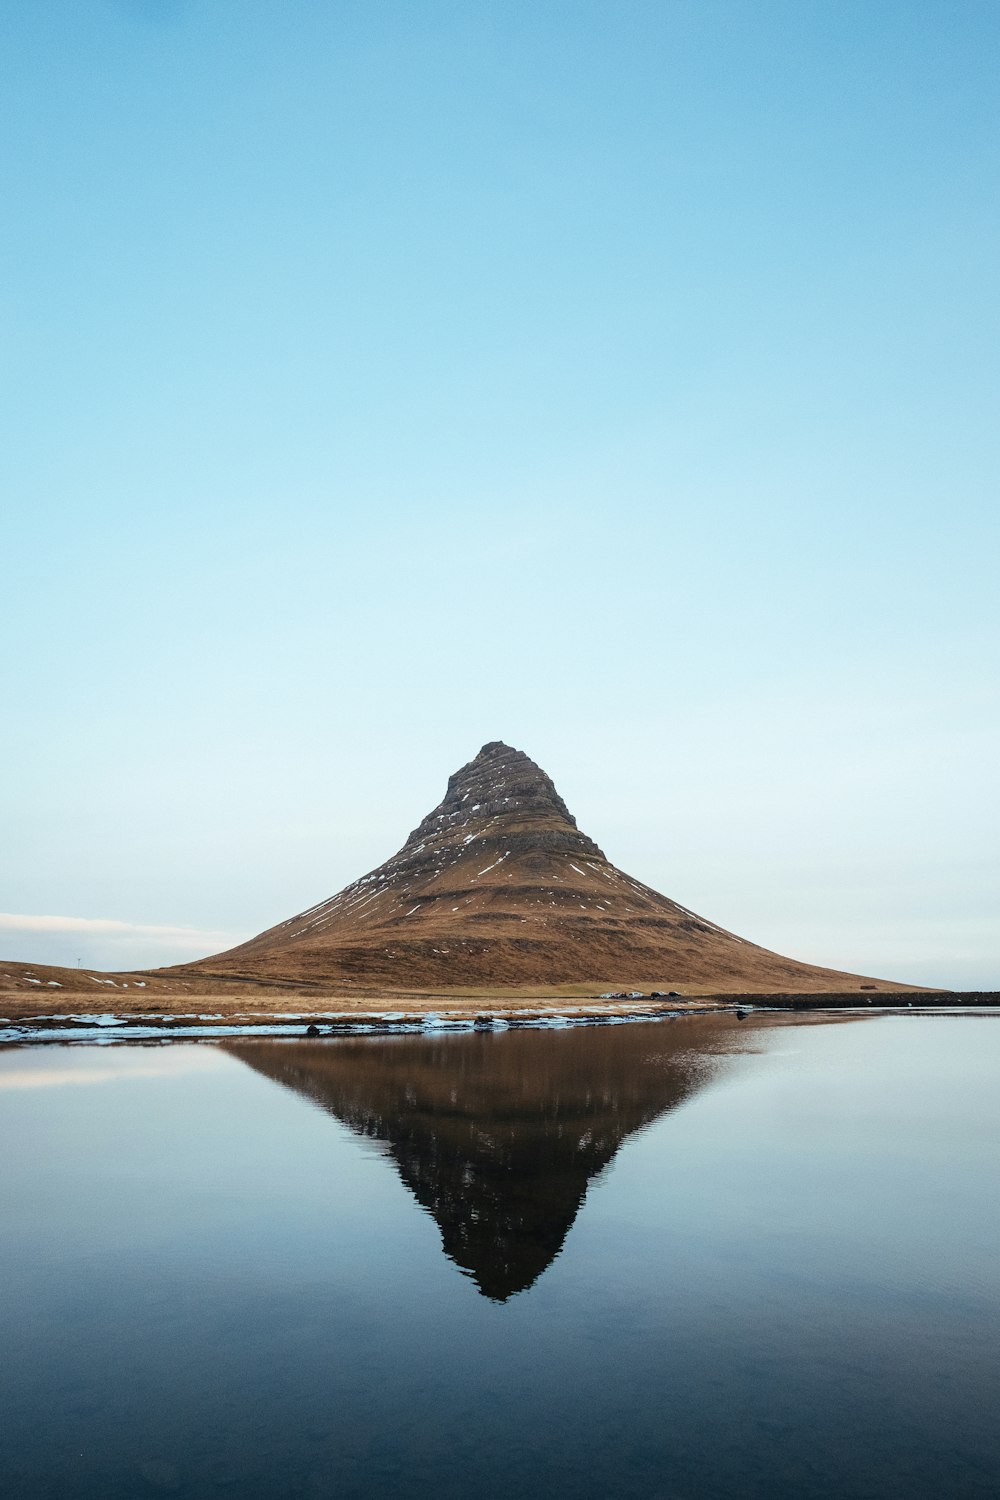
[617,380]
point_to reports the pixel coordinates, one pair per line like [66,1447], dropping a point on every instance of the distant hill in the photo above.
[498,888]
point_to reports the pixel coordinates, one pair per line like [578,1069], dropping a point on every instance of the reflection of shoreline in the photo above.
[497,1137]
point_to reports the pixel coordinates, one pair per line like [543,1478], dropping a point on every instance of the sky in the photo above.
[616,380]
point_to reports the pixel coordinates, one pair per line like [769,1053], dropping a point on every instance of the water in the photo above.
[702,1258]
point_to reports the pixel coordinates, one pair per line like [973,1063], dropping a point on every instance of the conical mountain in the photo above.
[498,888]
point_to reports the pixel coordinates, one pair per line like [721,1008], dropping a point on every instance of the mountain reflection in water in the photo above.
[498,1136]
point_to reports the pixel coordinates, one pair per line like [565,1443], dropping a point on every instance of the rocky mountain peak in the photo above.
[501,796]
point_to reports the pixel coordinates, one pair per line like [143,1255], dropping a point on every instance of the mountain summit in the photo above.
[498,888]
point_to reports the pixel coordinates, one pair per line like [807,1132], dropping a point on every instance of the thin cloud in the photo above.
[108,927]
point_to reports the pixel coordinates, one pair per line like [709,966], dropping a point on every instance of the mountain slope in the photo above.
[497,887]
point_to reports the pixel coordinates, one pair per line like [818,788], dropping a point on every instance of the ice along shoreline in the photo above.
[109,1026]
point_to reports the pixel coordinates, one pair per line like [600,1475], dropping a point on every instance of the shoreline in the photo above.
[152,1024]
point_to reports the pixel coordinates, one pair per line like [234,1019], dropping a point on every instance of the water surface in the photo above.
[700,1258]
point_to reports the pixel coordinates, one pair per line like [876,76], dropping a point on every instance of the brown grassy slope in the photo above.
[498,889]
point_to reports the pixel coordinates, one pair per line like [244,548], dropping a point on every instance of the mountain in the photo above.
[499,1137]
[497,888]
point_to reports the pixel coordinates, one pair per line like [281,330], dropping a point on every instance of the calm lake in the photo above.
[696,1258]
